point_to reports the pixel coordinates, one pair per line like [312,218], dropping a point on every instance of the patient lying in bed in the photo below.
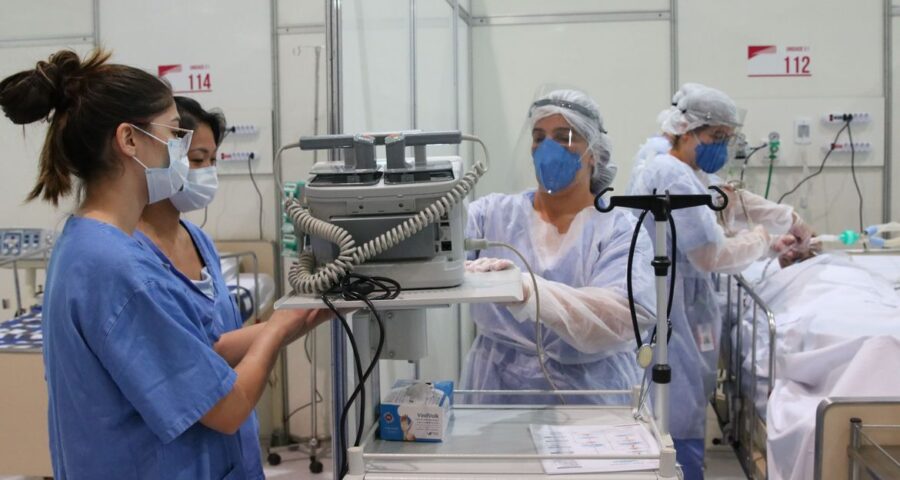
[838,335]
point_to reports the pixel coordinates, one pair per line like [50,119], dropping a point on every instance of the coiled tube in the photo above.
[306,279]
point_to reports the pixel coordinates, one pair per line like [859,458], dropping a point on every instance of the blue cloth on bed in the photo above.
[22,332]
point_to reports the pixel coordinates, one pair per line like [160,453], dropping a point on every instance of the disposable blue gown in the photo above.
[588,335]
[696,320]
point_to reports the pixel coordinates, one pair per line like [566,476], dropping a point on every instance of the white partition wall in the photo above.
[845,73]
[26,36]
[622,62]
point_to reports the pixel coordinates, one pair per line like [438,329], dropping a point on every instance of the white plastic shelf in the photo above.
[491,287]
[490,442]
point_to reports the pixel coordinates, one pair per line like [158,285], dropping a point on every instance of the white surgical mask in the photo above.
[164,182]
[199,190]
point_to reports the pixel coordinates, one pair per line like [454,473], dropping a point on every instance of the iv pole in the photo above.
[661,207]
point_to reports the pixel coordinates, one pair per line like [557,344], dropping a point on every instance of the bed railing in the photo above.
[255,260]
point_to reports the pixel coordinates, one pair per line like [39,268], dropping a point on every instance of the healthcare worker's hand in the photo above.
[783,243]
[799,252]
[801,230]
[482,265]
[297,323]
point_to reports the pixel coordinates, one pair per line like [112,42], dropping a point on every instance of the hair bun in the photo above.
[31,95]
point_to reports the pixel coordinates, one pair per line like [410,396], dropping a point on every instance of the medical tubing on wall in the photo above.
[306,279]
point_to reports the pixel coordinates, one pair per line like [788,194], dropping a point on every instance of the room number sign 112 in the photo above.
[779,61]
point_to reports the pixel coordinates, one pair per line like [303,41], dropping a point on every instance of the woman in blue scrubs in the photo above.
[138,386]
[192,255]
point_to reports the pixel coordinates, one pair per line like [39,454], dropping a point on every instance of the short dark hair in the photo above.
[193,115]
[85,102]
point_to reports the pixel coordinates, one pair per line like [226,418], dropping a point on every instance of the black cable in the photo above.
[822,166]
[628,275]
[672,280]
[359,372]
[631,249]
[359,289]
[258,194]
[205,213]
[362,288]
[747,159]
[853,172]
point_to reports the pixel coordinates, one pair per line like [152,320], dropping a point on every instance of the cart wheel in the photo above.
[315,466]
[717,441]
[274,459]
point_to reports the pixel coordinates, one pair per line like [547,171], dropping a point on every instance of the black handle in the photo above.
[660,205]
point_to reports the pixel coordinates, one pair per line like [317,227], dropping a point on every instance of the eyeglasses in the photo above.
[567,137]
[719,136]
[178,131]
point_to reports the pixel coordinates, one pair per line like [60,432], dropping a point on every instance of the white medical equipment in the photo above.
[28,249]
[392,219]
[16,242]
[872,237]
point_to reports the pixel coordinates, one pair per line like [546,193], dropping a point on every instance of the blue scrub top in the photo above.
[226,318]
[130,367]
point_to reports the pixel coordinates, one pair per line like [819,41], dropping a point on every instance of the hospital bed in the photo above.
[249,271]
[857,438]
[24,442]
[823,328]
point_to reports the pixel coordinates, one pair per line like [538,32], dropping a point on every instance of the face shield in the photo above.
[563,133]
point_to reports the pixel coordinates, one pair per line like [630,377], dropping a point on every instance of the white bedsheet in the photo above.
[863,367]
[838,334]
[230,272]
[266,287]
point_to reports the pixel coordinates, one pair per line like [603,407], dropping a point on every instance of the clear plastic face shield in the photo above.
[735,140]
[558,138]
[716,140]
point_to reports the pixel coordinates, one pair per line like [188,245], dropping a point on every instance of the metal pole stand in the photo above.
[661,207]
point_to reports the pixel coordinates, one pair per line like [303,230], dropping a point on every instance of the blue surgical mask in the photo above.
[555,166]
[165,182]
[711,157]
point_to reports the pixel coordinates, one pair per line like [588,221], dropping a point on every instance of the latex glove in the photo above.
[482,265]
[789,258]
[783,243]
[801,230]
[799,252]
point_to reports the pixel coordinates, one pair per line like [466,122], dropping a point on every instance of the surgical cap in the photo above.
[697,107]
[684,90]
[583,115]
